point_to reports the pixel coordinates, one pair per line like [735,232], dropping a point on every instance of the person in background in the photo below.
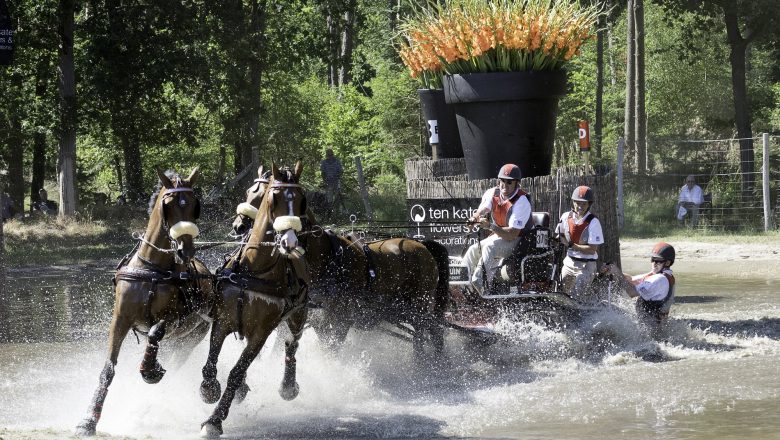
[8,207]
[690,199]
[331,170]
[511,210]
[46,206]
[654,291]
[580,231]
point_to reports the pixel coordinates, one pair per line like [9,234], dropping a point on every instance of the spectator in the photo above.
[45,205]
[8,207]
[331,171]
[690,199]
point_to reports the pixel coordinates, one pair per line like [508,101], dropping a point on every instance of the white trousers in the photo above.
[577,276]
[487,251]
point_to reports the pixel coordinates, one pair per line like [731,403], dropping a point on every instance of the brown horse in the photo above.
[160,286]
[409,285]
[263,285]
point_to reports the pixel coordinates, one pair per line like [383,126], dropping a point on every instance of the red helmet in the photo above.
[663,251]
[510,171]
[583,194]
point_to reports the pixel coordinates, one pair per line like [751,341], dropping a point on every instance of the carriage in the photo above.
[527,285]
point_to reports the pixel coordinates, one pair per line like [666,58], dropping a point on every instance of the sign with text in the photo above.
[433,130]
[584,134]
[6,36]
[444,220]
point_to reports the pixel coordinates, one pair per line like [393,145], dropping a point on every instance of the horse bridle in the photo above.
[170,192]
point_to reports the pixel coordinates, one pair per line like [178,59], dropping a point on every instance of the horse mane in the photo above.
[174,176]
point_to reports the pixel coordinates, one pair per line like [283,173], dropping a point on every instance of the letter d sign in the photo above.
[584,134]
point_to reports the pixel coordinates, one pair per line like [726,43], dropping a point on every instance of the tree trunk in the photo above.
[611,50]
[628,128]
[133,167]
[738,46]
[38,166]
[333,51]
[118,170]
[66,163]
[347,45]
[640,114]
[15,160]
[252,101]
[597,129]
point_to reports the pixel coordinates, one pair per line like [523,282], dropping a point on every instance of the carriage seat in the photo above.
[532,257]
[540,219]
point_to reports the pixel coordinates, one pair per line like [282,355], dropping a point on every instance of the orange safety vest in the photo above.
[501,208]
[576,230]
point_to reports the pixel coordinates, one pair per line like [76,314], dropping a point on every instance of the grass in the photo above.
[47,241]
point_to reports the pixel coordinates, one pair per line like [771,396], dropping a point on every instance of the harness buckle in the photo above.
[232,278]
[184,276]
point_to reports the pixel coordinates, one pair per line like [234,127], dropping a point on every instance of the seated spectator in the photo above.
[7,207]
[46,206]
[690,199]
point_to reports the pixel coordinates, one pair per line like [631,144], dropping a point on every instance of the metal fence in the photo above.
[717,168]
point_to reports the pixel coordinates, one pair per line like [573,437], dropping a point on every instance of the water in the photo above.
[714,377]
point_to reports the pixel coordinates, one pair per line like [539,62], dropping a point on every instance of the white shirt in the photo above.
[654,288]
[693,195]
[518,216]
[593,233]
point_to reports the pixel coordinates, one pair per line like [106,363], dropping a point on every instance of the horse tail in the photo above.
[440,254]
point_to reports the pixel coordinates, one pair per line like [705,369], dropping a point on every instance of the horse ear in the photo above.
[275,171]
[260,171]
[163,178]
[194,176]
[298,170]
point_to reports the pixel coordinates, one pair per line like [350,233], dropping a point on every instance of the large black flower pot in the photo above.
[506,117]
[442,127]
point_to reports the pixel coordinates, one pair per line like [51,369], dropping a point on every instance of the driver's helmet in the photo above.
[583,194]
[664,251]
[510,171]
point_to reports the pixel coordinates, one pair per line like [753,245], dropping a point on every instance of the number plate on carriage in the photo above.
[459,274]
[543,239]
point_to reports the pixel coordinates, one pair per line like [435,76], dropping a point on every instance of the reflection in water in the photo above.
[56,305]
[713,377]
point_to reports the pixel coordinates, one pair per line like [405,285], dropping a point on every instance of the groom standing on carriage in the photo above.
[510,209]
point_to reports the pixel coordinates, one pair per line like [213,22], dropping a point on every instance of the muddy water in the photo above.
[714,377]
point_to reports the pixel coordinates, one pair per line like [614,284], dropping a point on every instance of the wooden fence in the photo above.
[548,193]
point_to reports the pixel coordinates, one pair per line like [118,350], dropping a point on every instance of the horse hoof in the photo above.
[210,390]
[241,393]
[211,429]
[154,375]
[86,428]
[289,393]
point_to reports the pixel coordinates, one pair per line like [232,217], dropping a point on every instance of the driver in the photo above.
[654,291]
[510,208]
[580,231]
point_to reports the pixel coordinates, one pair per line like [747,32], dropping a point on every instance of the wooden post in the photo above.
[765,169]
[363,191]
[620,150]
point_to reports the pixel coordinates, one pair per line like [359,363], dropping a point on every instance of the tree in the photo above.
[66,163]
[746,22]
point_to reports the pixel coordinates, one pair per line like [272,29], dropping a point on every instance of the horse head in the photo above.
[179,208]
[247,210]
[286,204]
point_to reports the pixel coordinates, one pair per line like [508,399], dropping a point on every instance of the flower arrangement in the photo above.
[477,36]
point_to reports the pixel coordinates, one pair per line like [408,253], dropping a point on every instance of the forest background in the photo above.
[102,91]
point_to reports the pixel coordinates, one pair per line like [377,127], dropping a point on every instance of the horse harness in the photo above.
[185,281]
[263,284]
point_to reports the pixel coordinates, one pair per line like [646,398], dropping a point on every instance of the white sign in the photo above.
[433,128]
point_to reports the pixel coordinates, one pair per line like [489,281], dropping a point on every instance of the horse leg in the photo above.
[289,388]
[212,427]
[88,425]
[151,370]
[210,389]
